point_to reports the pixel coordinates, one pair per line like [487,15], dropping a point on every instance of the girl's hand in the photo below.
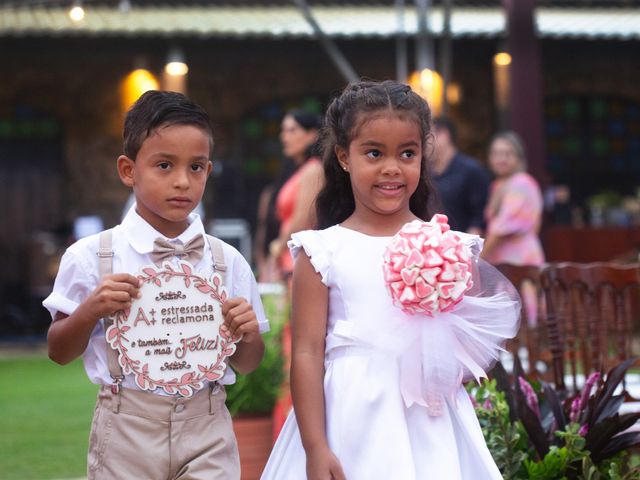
[240,319]
[324,465]
[114,293]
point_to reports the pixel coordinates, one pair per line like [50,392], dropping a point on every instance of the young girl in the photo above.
[359,411]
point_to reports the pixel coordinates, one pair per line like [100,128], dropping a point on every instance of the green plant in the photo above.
[256,392]
[506,439]
[605,199]
[532,434]
[560,461]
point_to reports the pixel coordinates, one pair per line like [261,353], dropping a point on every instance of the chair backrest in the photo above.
[591,308]
[531,343]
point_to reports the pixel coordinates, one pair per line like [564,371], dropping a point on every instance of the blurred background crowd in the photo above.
[557,75]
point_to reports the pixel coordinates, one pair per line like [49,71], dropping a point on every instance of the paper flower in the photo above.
[427,267]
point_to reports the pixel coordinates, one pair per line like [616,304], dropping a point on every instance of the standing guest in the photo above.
[268,225]
[514,209]
[294,205]
[461,182]
[153,434]
[295,200]
[362,406]
[514,213]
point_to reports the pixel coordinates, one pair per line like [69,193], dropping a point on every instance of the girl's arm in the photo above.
[69,335]
[309,325]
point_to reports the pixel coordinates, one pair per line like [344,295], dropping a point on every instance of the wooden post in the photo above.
[527,107]
[402,64]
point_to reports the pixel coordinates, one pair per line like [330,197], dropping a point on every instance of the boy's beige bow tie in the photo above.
[191,251]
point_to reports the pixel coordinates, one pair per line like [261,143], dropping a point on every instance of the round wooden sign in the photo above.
[170,338]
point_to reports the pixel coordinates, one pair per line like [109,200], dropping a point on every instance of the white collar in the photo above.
[141,235]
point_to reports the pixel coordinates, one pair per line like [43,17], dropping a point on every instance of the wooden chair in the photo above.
[591,310]
[532,334]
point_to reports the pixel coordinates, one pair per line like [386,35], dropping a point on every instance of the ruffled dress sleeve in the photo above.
[316,245]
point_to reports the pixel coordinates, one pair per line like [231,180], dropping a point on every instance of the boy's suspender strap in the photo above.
[105,266]
[218,256]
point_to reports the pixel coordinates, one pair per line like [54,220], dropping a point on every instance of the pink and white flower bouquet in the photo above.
[427,267]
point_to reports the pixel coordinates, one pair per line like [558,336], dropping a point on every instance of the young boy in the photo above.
[149,434]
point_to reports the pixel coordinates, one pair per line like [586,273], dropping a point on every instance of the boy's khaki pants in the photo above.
[141,435]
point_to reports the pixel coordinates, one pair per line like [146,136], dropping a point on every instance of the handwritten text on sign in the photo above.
[170,337]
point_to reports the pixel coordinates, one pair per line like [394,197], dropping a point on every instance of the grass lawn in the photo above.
[45,418]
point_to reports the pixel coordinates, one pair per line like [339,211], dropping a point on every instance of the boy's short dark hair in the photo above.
[155,109]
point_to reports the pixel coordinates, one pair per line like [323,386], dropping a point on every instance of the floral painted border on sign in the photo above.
[185,384]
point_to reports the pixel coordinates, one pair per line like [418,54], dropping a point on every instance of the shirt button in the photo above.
[179,408]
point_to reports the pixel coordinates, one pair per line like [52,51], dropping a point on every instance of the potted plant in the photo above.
[535,433]
[251,399]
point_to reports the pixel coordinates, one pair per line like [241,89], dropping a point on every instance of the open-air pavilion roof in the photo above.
[273,19]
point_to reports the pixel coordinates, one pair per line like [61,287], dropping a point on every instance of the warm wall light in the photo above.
[454,93]
[76,13]
[428,84]
[502,59]
[174,77]
[502,86]
[176,64]
[135,84]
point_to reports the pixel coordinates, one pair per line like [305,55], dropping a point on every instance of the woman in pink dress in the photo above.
[514,209]
[294,203]
[295,209]
[513,213]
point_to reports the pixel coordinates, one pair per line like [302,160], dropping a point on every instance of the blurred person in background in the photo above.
[514,212]
[514,209]
[292,205]
[294,201]
[268,225]
[462,182]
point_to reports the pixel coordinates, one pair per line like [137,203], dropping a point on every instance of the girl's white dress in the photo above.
[377,420]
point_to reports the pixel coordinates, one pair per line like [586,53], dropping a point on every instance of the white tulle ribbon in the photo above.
[424,381]
[439,351]
[454,346]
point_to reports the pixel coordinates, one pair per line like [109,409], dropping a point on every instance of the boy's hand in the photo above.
[69,334]
[240,319]
[114,293]
[240,322]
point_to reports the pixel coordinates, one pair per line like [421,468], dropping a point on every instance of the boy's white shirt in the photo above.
[78,276]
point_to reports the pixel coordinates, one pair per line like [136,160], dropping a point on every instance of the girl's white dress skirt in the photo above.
[382,420]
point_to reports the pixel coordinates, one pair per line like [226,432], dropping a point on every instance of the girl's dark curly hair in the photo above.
[345,114]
